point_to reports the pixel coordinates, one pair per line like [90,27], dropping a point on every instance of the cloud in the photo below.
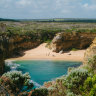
[5,3]
[86,5]
[47,8]
[24,2]
[91,6]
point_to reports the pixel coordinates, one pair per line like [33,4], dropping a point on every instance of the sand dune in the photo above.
[43,53]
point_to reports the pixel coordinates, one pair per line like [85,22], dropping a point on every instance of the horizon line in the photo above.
[43,18]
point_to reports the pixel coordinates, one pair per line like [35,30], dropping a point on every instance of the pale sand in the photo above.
[43,53]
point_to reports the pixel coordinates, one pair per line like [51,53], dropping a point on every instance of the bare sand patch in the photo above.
[43,53]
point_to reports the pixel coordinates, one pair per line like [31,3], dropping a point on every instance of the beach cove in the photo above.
[43,53]
[41,62]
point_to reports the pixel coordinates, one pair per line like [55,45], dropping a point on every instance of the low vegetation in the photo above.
[74,49]
[43,31]
[15,82]
[89,86]
[40,92]
[92,64]
[27,28]
[75,79]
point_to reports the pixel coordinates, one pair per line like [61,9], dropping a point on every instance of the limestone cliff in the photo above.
[12,45]
[66,41]
[90,52]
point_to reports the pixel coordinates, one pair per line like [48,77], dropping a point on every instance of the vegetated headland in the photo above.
[61,36]
[22,35]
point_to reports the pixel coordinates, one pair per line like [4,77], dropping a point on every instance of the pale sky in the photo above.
[42,9]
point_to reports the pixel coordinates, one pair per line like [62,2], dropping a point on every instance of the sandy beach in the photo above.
[43,53]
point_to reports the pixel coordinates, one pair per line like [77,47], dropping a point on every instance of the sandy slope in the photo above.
[43,53]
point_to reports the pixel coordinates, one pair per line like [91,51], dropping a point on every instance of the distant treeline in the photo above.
[1,19]
[54,20]
[64,20]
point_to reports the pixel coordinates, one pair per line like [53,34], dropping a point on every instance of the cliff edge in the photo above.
[90,52]
[66,41]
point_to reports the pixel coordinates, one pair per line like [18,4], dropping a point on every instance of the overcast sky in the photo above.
[38,9]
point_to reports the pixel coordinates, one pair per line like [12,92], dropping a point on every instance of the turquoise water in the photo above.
[42,71]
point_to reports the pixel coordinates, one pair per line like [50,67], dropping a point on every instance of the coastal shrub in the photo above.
[74,79]
[56,91]
[60,88]
[6,86]
[57,88]
[89,87]
[48,41]
[19,80]
[40,92]
[23,94]
[92,64]
[71,93]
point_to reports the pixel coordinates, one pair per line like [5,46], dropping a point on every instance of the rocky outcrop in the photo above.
[13,45]
[66,41]
[90,52]
[1,65]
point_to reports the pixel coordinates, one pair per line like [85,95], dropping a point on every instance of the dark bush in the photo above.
[40,92]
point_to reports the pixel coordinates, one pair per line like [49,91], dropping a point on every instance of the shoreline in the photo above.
[43,53]
[43,59]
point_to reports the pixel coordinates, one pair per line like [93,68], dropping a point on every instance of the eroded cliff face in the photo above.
[66,41]
[90,52]
[1,64]
[12,45]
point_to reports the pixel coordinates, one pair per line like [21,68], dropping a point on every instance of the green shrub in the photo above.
[71,94]
[48,41]
[40,92]
[89,87]
[59,87]
[19,80]
[74,79]
[74,49]
[92,64]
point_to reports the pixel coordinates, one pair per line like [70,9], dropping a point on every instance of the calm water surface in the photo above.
[42,71]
